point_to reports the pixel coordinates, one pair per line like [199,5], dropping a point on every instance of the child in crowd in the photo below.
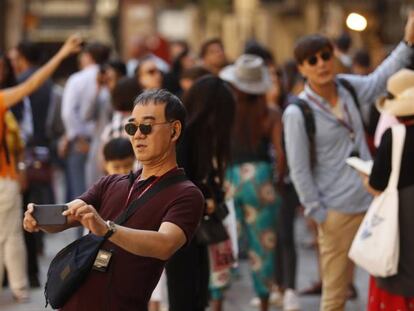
[118,156]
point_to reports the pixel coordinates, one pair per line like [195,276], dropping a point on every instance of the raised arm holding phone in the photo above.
[12,251]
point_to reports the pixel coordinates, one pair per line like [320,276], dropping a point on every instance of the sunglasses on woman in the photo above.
[313,60]
[145,129]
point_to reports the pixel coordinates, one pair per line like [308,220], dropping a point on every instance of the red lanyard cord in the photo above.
[348,126]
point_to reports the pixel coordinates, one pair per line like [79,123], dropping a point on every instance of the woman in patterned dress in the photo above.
[250,177]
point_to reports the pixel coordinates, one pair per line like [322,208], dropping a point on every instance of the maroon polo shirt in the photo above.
[129,283]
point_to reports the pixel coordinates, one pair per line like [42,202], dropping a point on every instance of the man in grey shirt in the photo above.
[331,192]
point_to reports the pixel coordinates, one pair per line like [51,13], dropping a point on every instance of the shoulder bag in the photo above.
[376,246]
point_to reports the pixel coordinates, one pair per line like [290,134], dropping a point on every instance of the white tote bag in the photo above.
[376,246]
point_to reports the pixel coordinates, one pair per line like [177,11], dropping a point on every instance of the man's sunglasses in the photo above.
[145,129]
[313,60]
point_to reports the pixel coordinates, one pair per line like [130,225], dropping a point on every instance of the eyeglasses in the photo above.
[146,129]
[313,60]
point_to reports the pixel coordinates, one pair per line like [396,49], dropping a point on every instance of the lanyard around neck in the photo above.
[146,188]
[342,122]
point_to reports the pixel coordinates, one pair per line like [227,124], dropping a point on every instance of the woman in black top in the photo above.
[203,153]
[397,292]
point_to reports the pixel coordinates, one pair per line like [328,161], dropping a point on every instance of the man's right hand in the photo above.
[29,223]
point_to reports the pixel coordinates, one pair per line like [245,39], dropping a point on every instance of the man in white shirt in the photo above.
[79,91]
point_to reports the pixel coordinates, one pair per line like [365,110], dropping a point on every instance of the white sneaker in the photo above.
[275,299]
[291,301]
[255,302]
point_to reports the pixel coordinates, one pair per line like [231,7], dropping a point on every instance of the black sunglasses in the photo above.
[146,129]
[313,60]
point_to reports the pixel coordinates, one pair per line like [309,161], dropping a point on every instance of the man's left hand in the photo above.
[89,218]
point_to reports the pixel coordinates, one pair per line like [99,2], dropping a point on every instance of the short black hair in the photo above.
[255,48]
[118,149]
[343,42]
[308,46]
[174,108]
[119,66]
[206,45]
[99,52]
[30,51]
[362,58]
[124,94]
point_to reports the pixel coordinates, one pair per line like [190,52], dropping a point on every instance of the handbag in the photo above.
[376,246]
[70,267]
[211,229]
[38,165]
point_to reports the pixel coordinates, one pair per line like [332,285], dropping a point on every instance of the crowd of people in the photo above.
[260,141]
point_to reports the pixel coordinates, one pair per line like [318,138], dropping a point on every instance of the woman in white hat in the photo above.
[249,178]
[397,292]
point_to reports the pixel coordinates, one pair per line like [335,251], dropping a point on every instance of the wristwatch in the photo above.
[111,228]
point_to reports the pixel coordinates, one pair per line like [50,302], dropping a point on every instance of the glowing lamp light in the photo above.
[356,22]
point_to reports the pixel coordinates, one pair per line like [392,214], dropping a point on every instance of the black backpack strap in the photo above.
[153,190]
[310,127]
[348,86]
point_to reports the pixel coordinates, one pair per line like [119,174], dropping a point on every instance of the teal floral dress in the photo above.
[252,187]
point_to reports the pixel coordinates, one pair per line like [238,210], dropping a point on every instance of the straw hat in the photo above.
[399,101]
[248,74]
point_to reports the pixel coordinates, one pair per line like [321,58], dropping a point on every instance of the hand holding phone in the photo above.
[49,214]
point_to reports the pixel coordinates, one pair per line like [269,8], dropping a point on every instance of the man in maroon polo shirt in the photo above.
[162,225]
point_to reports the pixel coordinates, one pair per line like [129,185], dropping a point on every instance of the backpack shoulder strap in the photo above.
[310,127]
[348,86]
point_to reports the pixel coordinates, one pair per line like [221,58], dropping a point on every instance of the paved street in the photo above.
[238,296]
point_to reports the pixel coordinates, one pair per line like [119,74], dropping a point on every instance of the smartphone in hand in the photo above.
[49,214]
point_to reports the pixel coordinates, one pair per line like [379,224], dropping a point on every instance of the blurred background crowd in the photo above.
[132,46]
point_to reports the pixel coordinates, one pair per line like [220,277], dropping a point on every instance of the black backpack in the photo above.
[309,118]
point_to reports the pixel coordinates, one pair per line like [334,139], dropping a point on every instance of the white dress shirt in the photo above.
[80,90]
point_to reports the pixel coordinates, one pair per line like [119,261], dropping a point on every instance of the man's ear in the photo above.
[176,130]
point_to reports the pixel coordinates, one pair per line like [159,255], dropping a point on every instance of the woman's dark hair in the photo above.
[118,149]
[174,108]
[310,45]
[124,94]
[211,108]
[251,114]
[177,66]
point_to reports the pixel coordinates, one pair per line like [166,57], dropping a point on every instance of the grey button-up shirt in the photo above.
[332,184]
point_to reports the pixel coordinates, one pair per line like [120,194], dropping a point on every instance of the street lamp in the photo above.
[356,22]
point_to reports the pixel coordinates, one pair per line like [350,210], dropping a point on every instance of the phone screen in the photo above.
[49,214]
